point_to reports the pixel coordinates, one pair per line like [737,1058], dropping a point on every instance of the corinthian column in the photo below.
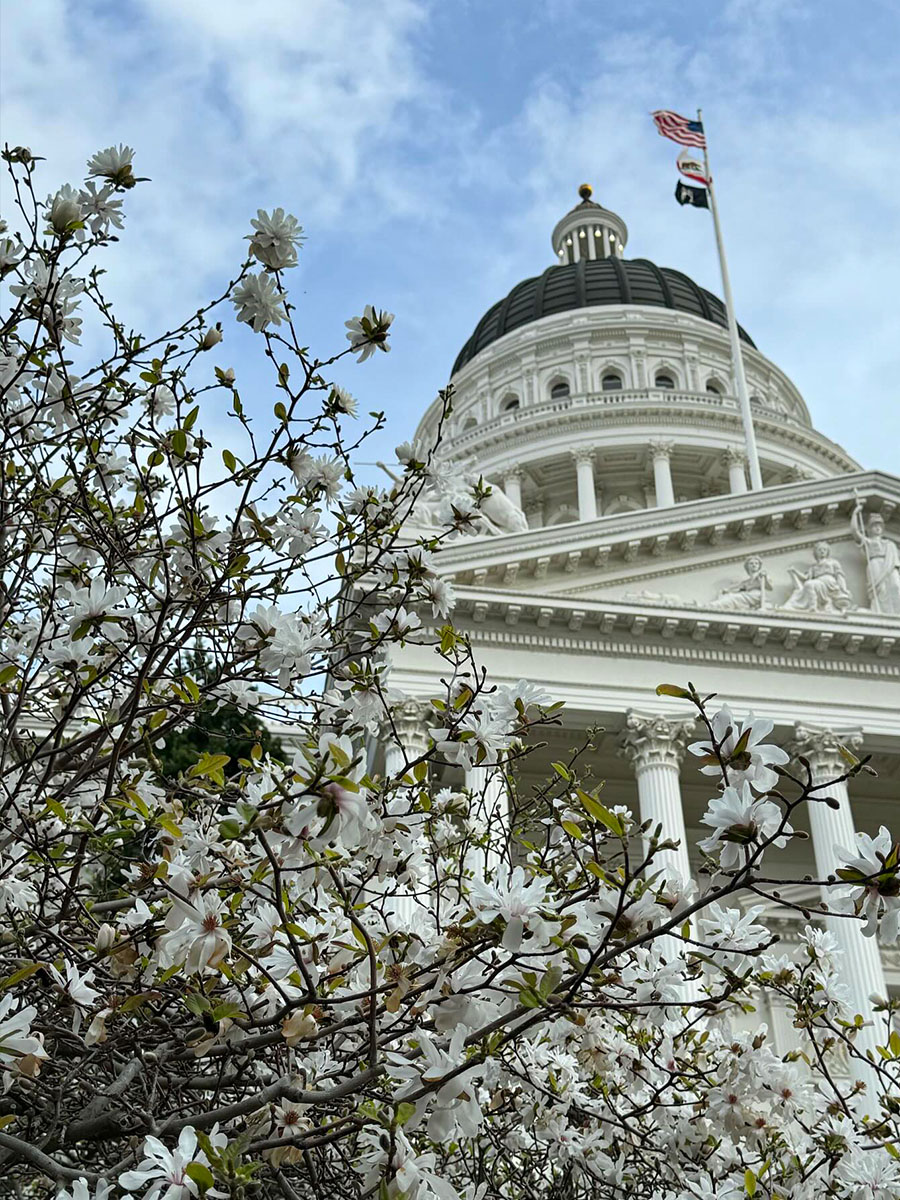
[587,496]
[863,973]
[512,485]
[408,738]
[660,453]
[655,747]
[736,460]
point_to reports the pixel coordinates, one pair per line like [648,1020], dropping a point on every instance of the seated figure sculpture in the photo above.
[821,588]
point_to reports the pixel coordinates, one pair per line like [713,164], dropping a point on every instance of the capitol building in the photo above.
[629,551]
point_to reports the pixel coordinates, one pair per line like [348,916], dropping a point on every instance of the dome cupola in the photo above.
[589,231]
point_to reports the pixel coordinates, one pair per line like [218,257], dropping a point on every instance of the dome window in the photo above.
[664,381]
[559,390]
[611,382]
[714,387]
[509,403]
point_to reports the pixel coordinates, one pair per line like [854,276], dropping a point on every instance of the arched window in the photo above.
[611,381]
[469,423]
[559,390]
[664,380]
[509,403]
[714,387]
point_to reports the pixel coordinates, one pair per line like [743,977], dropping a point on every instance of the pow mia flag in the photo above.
[697,196]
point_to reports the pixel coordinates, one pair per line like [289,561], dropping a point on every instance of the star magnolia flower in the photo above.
[343,401]
[369,333]
[21,1051]
[166,1170]
[730,936]
[870,1175]
[746,756]
[275,239]
[517,902]
[197,932]
[81,1190]
[77,987]
[114,163]
[739,818]
[259,302]
[873,873]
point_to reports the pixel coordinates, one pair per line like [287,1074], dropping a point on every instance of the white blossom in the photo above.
[163,1172]
[275,239]
[369,333]
[259,302]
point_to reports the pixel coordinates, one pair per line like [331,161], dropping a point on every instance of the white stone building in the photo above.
[599,396]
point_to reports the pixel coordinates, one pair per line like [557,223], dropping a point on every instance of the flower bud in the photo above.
[106,935]
[211,337]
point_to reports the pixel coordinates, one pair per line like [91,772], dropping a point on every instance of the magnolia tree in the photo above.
[299,975]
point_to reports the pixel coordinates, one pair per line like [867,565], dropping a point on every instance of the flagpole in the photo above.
[736,356]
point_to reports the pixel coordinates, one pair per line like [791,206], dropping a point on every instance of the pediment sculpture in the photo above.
[882,562]
[822,587]
[749,594]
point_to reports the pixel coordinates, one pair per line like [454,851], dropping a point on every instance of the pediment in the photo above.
[694,556]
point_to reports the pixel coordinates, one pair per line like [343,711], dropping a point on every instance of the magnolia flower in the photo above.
[740,818]
[400,623]
[77,987]
[441,595]
[81,1190]
[731,935]
[743,751]
[259,302]
[101,208]
[275,239]
[869,1174]
[197,932]
[517,902]
[113,163]
[21,1051]
[211,337]
[94,602]
[166,1170]
[875,892]
[369,333]
[343,402]
[64,210]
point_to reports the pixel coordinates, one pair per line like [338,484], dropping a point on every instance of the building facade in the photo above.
[598,395]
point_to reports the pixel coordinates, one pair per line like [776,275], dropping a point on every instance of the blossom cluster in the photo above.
[362,963]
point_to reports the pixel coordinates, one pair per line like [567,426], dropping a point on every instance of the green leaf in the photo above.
[229,829]
[750,1182]
[191,417]
[179,442]
[600,813]
[573,830]
[200,1174]
[404,1111]
[18,976]
[8,674]
[197,1003]
[229,460]
[562,771]
[280,411]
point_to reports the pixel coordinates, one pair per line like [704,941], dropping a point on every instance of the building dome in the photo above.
[587,283]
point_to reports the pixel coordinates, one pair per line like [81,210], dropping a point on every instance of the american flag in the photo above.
[679,129]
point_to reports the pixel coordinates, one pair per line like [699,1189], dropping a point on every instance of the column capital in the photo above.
[660,447]
[410,725]
[583,454]
[821,747]
[650,740]
[511,472]
[734,456]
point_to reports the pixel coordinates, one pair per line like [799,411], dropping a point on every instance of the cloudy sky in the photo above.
[428,148]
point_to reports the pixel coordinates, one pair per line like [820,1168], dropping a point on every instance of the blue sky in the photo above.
[428,149]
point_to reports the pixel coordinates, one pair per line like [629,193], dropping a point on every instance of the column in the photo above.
[605,242]
[736,460]
[660,453]
[655,747]
[587,498]
[592,243]
[490,802]
[512,485]
[408,739]
[863,972]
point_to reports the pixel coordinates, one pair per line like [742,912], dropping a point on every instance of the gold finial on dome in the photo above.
[585,191]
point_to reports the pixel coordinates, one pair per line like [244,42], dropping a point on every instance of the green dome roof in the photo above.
[589,283]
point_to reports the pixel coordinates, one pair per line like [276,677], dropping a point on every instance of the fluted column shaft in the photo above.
[490,797]
[660,452]
[655,746]
[863,972]
[736,461]
[587,496]
[512,486]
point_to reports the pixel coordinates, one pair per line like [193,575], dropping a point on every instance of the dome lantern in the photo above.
[589,231]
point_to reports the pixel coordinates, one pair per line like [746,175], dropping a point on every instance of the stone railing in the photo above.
[531,414]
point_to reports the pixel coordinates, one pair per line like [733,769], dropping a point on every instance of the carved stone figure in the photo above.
[821,588]
[749,595]
[882,562]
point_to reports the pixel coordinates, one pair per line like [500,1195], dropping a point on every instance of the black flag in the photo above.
[697,196]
